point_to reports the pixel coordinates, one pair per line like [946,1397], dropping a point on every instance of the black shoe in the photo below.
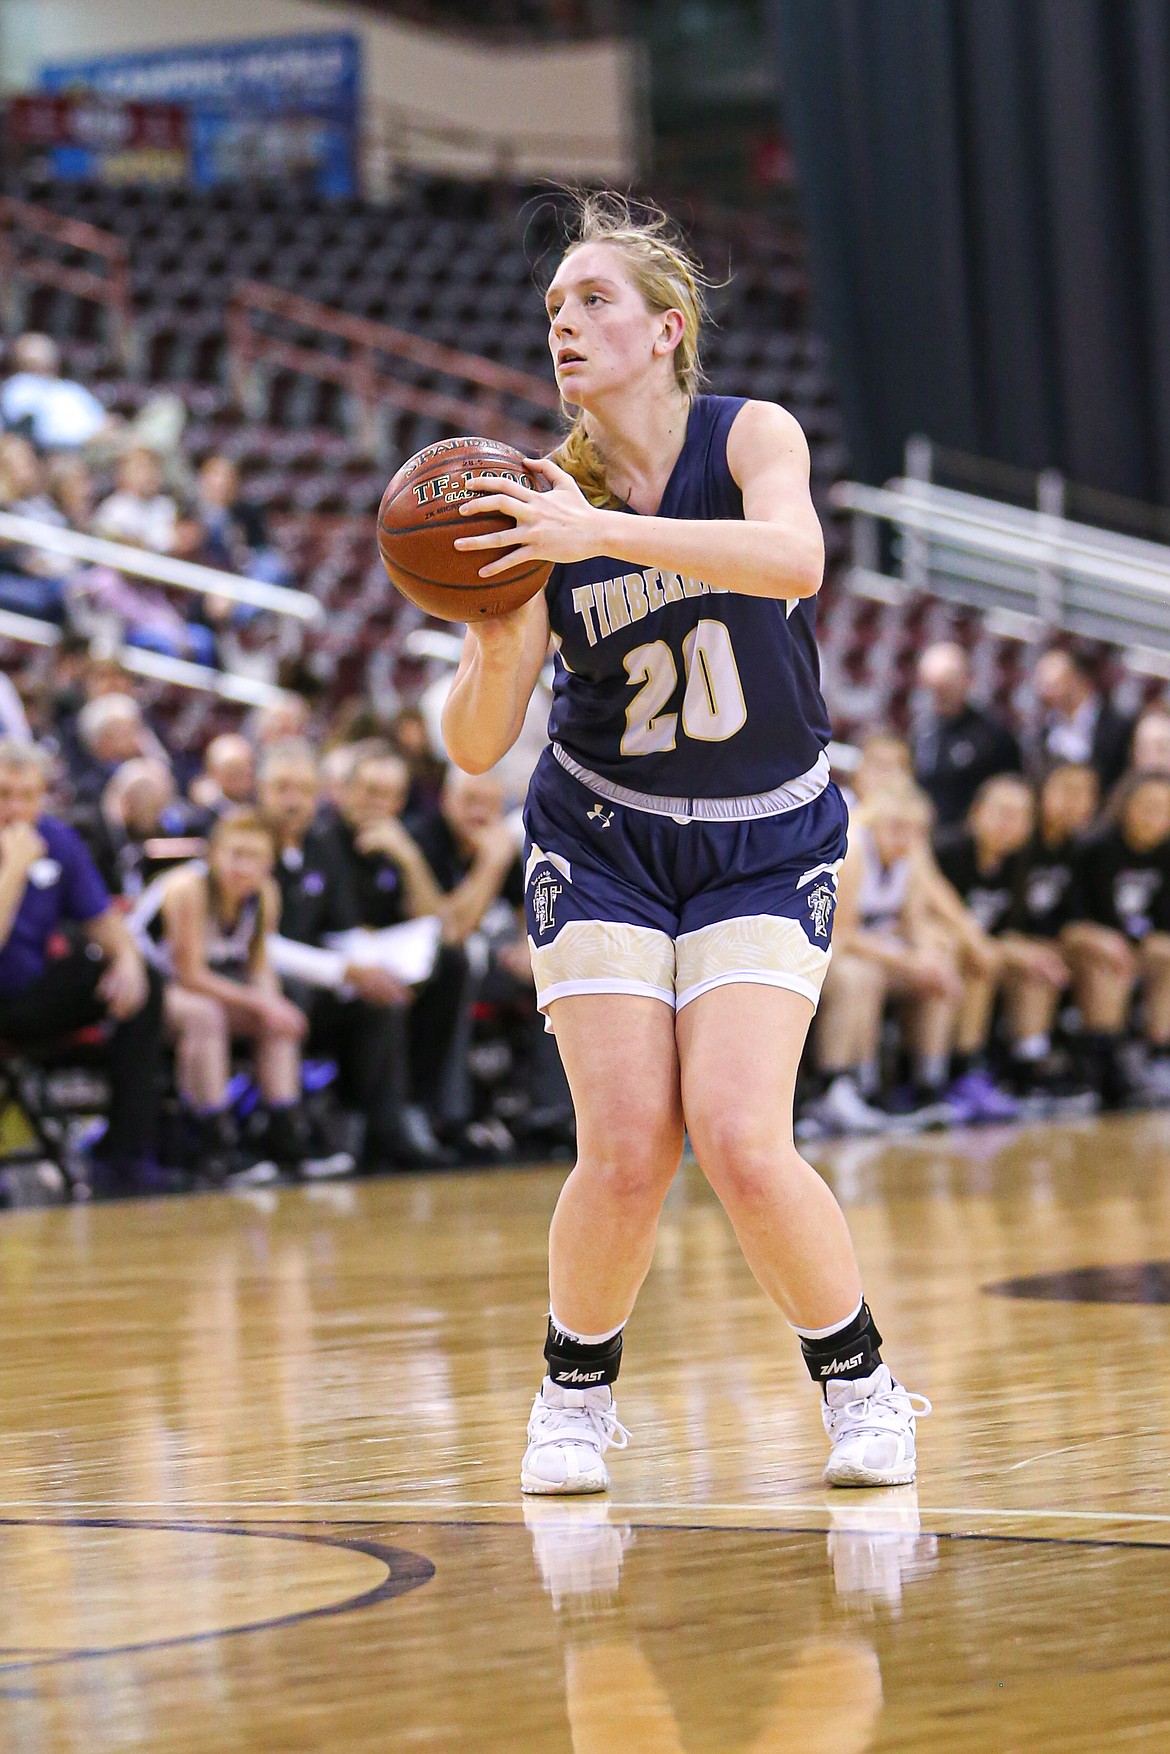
[290,1144]
[411,1143]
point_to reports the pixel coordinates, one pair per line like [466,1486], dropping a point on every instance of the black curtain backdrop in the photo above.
[986,185]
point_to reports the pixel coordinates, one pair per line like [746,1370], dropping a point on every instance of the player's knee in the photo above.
[207,1018]
[744,1158]
[635,1165]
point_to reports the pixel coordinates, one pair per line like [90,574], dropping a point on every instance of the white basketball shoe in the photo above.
[871,1423]
[568,1434]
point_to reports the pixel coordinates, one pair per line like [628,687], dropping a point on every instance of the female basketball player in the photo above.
[683,837]
[204,927]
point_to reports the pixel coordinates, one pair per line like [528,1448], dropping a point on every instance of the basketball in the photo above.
[419,519]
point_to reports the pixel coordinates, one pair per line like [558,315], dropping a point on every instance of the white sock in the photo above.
[931,1070]
[827,1333]
[1031,1048]
[583,1339]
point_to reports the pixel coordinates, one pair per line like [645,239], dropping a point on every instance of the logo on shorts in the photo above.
[544,895]
[821,902]
[600,815]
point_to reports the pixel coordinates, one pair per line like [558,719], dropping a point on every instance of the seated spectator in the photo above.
[13,718]
[142,828]
[359,1023]
[898,934]
[281,720]
[205,927]
[48,885]
[1075,722]
[1150,751]
[228,779]
[60,415]
[56,413]
[139,513]
[110,730]
[1119,940]
[1042,908]
[410,738]
[232,532]
[73,491]
[957,744]
[473,852]
[885,762]
[31,579]
[986,866]
[392,882]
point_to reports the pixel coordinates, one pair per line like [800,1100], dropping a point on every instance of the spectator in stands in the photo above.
[142,828]
[232,531]
[411,740]
[56,413]
[1150,751]
[474,855]
[110,730]
[392,882]
[957,744]
[31,579]
[336,766]
[48,884]
[73,491]
[885,762]
[139,513]
[282,719]
[891,941]
[228,779]
[13,718]
[1075,722]
[61,415]
[205,927]
[1119,940]
[359,1023]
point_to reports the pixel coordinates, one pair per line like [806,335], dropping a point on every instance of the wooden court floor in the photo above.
[258,1462]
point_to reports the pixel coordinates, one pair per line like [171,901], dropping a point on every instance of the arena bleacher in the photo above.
[312,345]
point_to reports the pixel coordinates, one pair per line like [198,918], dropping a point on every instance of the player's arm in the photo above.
[502,659]
[775,550]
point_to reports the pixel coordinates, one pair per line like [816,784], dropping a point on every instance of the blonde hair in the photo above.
[668,277]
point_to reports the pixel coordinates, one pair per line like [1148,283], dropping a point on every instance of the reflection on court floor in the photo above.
[258,1475]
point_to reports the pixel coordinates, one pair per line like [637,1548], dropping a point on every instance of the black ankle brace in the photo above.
[574,1365]
[851,1352]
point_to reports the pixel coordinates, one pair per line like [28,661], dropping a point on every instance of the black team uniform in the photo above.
[1129,892]
[375,893]
[549,1117]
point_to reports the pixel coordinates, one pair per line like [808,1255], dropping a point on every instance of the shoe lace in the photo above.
[876,1411]
[602,1427]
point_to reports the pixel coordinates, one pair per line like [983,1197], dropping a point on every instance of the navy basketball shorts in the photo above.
[621,899]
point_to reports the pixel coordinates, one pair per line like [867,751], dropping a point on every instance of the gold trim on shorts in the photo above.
[766,949]
[593,956]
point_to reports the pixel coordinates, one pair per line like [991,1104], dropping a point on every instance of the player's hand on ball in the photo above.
[557,524]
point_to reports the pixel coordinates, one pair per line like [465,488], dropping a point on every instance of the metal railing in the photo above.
[22,220]
[367,367]
[184,575]
[179,672]
[1031,572]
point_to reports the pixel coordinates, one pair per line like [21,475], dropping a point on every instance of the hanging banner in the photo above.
[273,109]
[101,139]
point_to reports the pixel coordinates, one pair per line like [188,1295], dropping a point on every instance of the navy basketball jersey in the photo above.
[667,685]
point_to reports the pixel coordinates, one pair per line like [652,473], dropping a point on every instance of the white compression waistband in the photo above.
[792,795]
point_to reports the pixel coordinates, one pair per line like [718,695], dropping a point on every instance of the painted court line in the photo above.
[623,1506]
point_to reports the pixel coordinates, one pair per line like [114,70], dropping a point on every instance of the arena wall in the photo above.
[569,107]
